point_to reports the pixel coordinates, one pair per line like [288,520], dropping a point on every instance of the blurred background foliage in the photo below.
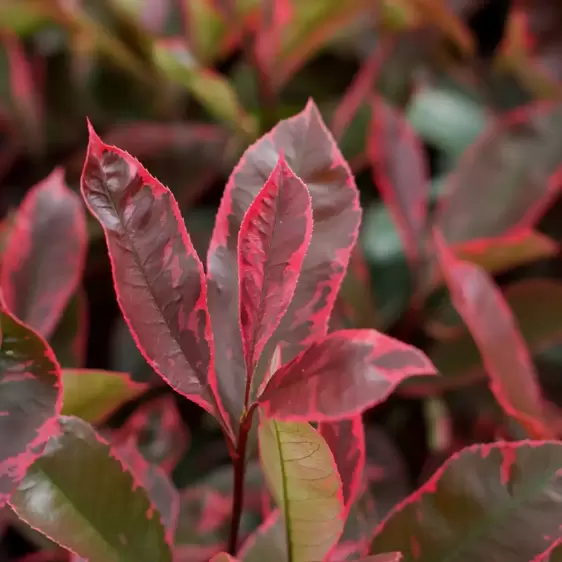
[187,85]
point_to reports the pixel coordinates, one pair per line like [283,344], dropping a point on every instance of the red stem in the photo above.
[239,473]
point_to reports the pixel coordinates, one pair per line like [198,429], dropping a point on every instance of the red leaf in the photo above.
[45,256]
[358,91]
[400,173]
[160,488]
[513,379]
[158,276]
[158,431]
[346,439]
[517,160]
[311,153]
[30,399]
[274,237]
[341,375]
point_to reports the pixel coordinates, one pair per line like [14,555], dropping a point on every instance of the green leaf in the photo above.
[302,477]
[447,118]
[209,88]
[93,395]
[79,495]
[496,502]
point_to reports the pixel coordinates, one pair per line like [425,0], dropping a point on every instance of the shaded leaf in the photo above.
[390,557]
[346,439]
[401,174]
[268,542]
[458,358]
[341,375]
[30,399]
[503,253]
[223,557]
[210,88]
[273,241]
[154,263]
[158,431]
[110,522]
[43,262]
[489,502]
[311,153]
[303,479]
[513,379]
[160,488]
[515,159]
[94,395]
[70,338]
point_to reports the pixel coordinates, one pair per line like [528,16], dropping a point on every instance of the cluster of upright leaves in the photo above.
[252,330]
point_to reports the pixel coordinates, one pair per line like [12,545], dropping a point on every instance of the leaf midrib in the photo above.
[149,287]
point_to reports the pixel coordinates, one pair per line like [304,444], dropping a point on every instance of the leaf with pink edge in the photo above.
[158,277]
[311,153]
[346,439]
[273,240]
[341,375]
[401,174]
[483,308]
[488,502]
[110,521]
[30,399]
[45,255]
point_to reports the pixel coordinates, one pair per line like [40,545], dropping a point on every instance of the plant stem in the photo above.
[239,473]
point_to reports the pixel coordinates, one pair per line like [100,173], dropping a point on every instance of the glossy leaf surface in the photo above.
[43,262]
[312,155]
[341,375]
[274,237]
[497,502]
[110,521]
[30,399]
[346,439]
[401,174]
[479,302]
[94,395]
[303,479]
[158,277]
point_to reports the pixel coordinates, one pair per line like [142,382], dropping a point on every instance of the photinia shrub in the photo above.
[247,338]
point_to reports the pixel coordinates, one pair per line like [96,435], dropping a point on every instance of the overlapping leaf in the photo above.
[302,476]
[45,256]
[154,479]
[30,399]
[400,173]
[274,237]
[268,542]
[515,160]
[310,152]
[158,277]
[93,395]
[158,432]
[504,353]
[346,439]
[341,375]
[109,520]
[488,502]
